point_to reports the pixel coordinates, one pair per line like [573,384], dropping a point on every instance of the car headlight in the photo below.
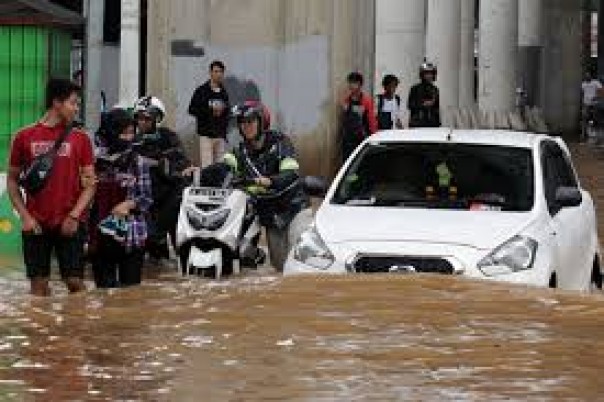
[312,250]
[517,254]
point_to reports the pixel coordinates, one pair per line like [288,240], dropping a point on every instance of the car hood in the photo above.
[478,229]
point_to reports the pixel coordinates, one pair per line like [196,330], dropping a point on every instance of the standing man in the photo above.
[358,115]
[52,216]
[210,106]
[589,90]
[389,105]
[424,99]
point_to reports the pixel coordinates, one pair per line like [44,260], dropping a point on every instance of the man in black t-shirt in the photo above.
[210,106]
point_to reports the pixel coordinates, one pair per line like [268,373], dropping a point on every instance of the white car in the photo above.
[488,204]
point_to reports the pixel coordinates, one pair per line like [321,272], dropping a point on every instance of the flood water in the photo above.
[263,337]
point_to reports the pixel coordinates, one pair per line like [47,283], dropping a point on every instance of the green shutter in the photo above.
[4,95]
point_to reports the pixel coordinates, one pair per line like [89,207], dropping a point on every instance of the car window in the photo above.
[443,176]
[557,172]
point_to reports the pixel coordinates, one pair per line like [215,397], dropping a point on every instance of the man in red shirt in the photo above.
[358,115]
[52,218]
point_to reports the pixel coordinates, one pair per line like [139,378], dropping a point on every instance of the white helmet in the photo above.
[151,106]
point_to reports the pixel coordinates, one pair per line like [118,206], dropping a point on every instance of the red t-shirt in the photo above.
[56,200]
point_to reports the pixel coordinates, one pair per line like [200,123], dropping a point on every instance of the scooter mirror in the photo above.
[315,186]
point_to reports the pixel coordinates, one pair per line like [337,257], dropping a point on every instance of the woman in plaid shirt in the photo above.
[121,205]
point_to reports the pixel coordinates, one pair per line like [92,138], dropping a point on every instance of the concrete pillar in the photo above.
[601,39]
[443,47]
[498,46]
[129,52]
[530,45]
[466,56]
[400,41]
[562,66]
[94,12]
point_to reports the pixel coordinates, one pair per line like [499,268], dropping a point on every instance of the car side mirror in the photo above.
[315,186]
[568,197]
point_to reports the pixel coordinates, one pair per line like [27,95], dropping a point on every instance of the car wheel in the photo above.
[553,281]
[596,276]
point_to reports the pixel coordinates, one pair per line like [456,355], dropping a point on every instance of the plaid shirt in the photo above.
[136,183]
[139,191]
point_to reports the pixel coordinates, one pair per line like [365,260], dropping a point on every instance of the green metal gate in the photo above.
[28,56]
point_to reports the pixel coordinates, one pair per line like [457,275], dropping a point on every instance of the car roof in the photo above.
[504,138]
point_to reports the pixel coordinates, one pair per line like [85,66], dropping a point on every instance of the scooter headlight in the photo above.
[217,219]
[212,221]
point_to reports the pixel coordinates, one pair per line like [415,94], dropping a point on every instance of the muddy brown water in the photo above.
[263,337]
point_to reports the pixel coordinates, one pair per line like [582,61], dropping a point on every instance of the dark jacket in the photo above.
[276,160]
[420,115]
[209,125]
[168,159]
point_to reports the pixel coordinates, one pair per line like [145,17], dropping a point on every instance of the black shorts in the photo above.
[38,248]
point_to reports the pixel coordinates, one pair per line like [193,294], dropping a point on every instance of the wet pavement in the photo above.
[262,337]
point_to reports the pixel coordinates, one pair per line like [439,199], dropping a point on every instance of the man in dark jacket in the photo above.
[163,150]
[424,99]
[266,160]
[210,106]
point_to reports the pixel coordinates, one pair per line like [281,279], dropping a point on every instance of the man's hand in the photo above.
[70,226]
[30,225]
[263,182]
[122,209]
[189,171]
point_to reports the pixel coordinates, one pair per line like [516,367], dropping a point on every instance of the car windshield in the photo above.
[440,176]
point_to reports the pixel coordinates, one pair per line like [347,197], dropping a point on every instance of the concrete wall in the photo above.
[293,55]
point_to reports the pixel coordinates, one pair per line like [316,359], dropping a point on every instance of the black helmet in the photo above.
[427,67]
[249,111]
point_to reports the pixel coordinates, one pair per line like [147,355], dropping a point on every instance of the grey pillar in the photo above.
[498,55]
[530,45]
[94,12]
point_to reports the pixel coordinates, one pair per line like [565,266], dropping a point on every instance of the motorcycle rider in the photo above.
[424,99]
[169,167]
[266,161]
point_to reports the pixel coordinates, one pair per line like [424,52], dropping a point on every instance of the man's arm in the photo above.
[88,178]
[197,103]
[371,117]
[16,165]
[14,192]
[412,100]
[288,167]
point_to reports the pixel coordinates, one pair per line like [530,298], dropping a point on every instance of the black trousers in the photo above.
[164,219]
[350,143]
[113,266]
